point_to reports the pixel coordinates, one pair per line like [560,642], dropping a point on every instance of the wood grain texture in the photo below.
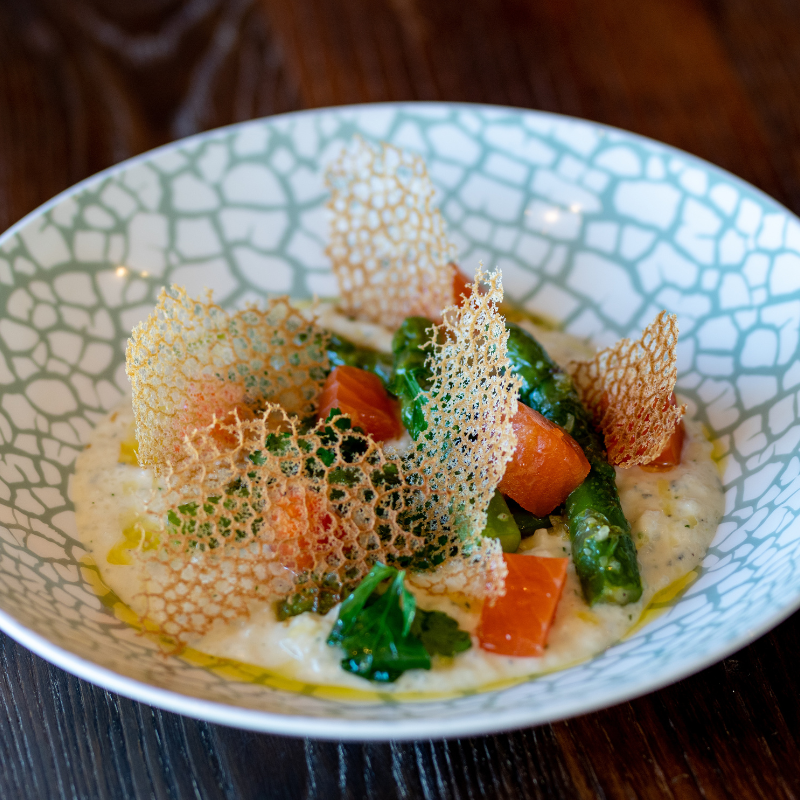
[86,83]
[730,732]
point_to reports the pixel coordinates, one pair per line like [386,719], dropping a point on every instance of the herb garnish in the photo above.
[411,377]
[383,633]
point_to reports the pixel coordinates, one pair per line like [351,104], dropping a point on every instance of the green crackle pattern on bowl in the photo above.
[594,227]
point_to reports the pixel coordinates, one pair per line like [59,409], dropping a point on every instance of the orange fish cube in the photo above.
[519,622]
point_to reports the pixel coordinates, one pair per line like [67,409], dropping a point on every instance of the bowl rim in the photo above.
[333,728]
[397,729]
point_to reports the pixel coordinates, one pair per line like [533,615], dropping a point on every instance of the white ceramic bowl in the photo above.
[594,226]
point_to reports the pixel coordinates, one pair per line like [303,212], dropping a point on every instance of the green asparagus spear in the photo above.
[602,547]
[500,524]
[410,377]
[341,352]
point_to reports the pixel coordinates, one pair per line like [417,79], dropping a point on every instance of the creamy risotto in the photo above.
[673,517]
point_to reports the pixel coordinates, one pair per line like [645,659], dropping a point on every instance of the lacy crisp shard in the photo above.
[414,485]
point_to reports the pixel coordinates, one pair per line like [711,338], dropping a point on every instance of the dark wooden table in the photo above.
[87,83]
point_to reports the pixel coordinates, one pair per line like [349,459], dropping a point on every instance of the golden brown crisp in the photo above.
[191,363]
[388,243]
[628,387]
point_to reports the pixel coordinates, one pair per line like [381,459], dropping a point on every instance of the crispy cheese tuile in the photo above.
[388,243]
[470,438]
[627,389]
[191,361]
[281,512]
